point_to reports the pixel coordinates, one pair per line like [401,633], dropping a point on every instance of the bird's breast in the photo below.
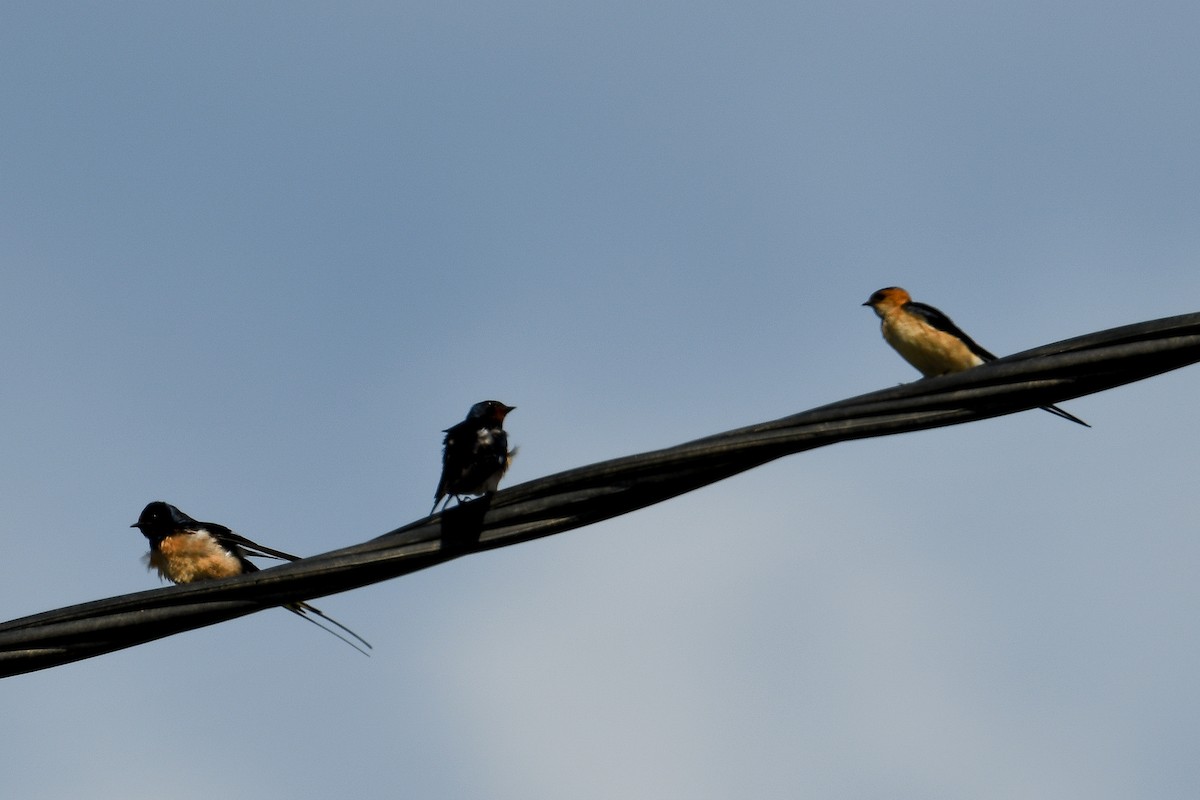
[188,557]
[931,351]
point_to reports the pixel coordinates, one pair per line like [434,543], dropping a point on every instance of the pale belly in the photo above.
[931,351]
[185,558]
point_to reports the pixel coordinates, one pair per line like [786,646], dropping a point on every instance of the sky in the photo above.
[256,256]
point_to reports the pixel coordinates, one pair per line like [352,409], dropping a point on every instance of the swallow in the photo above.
[184,550]
[475,455]
[929,340]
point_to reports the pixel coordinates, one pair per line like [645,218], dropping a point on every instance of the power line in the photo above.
[567,500]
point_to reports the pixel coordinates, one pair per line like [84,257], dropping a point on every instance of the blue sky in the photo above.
[256,256]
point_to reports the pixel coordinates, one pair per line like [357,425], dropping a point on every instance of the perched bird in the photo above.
[184,550]
[927,339]
[476,453]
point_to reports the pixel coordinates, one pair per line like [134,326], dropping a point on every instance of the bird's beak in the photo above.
[134,525]
[867,303]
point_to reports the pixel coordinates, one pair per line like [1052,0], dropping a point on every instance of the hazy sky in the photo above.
[257,255]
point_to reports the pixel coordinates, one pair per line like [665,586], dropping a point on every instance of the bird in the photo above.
[475,455]
[929,340]
[185,550]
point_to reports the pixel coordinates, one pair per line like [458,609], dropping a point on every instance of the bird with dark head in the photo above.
[929,340]
[475,453]
[185,550]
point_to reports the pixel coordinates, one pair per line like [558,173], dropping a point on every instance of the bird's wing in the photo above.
[936,319]
[247,547]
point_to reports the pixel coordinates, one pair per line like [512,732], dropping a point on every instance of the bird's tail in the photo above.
[304,609]
[1058,412]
